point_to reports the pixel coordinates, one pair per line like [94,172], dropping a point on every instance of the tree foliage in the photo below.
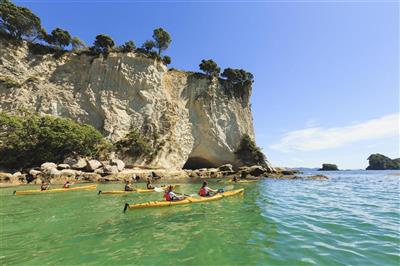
[166,60]
[209,67]
[237,76]
[134,144]
[17,21]
[77,44]
[103,44]
[249,153]
[148,45]
[162,39]
[128,47]
[30,140]
[60,38]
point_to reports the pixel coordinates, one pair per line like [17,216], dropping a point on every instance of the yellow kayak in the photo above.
[187,200]
[242,181]
[137,190]
[37,191]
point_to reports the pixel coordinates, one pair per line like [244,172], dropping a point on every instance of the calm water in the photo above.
[352,219]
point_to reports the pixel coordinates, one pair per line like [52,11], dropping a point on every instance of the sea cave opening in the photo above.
[194,163]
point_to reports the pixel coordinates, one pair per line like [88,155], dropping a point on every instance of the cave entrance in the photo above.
[197,163]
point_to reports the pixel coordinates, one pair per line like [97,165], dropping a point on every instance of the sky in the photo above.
[326,73]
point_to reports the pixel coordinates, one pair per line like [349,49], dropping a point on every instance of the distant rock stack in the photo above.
[329,167]
[381,162]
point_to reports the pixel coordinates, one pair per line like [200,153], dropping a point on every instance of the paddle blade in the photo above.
[126,207]
[158,189]
[230,187]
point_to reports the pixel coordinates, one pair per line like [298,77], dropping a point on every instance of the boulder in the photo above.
[68,173]
[255,170]
[80,163]
[90,177]
[34,172]
[46,166]
[6,177]
[100,171]
[117,162]
[226,167]
[110,169]
[93,165]
[52,172]
[63,166]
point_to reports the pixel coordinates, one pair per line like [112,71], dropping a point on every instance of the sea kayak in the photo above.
[187,200]
[137,190]
[37,191]
[242,181]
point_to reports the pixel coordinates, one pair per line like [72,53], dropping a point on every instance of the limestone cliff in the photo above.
[190,118]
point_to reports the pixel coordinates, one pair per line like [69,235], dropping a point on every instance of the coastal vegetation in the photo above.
[381,162]
[249,153]
[29,140]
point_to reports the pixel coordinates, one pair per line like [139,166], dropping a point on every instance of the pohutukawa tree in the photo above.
[209,67]
[162,39]
[128,47]
[148,45]
[60,38]
[103,44]
[17,21]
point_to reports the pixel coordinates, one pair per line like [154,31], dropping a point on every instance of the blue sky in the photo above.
[326,72]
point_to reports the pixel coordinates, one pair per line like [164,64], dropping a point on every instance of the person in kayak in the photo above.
[128,186]
[67,184]
[235,179]
[206,191]
[44,186]
[171,196]
[148,185]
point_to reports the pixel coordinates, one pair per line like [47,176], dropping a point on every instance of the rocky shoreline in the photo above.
[81,170]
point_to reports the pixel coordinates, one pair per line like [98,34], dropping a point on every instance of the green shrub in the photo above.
[249,153]
[127,47]
[29,140]
[134,145]
[103,44]
[166,60]
[60,38]
[238,81]
[9,83]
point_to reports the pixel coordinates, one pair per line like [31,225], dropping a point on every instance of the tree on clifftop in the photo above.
[148,45]
[103,44]
[18,21]
[162,39]
[60,37]
[209,67]
[77,44]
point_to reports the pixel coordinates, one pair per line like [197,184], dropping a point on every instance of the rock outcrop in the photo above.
[329,167]
[381,162]
[191,120]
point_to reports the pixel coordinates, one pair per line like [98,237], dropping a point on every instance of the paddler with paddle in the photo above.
[44,186]
[128,186]
[171,196]
[205,191]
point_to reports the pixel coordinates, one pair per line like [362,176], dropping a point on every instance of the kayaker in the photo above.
[44,186]
[171,196]
[149,186]
[128,186]
[235,179]
[206,191]
[67,184]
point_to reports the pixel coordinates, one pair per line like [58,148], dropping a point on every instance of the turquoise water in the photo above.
[352,219]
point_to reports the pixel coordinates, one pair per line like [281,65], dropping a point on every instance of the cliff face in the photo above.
[191,119]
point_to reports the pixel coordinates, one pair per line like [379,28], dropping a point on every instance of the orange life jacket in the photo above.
[203,192]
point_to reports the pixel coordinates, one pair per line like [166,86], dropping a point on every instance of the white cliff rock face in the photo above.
[190,118]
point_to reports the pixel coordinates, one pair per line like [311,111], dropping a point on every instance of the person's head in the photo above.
[170,188]
[67,182]
[148,180]
[204,184]
[127,182]
[43,182]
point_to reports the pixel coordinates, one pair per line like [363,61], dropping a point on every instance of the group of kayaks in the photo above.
[188,200]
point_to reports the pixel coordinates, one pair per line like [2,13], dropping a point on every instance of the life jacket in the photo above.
[203,192]
[167,196]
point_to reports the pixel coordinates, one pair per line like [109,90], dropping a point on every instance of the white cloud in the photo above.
[317,138]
